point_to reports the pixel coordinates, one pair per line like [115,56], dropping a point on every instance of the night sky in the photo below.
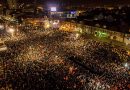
[75,2]
[89,1]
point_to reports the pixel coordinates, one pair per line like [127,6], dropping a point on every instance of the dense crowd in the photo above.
[103,59]
[62,62]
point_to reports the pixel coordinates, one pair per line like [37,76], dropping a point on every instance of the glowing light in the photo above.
[126,64]
[128,52]
[11,30]
[1,27]
[77,35]
[78,29]
[101,34]
[53,9]
[55,23]
[3,48]
[47,26]
[72,12]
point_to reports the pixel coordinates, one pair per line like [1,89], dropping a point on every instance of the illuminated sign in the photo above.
[101,34]
[72,12]
[53,9]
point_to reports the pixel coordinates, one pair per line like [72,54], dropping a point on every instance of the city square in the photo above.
[49,53]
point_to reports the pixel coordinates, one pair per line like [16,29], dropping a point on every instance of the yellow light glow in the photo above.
[47,26]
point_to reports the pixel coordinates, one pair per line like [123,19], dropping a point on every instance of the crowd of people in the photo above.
[102,58]
[61,62]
